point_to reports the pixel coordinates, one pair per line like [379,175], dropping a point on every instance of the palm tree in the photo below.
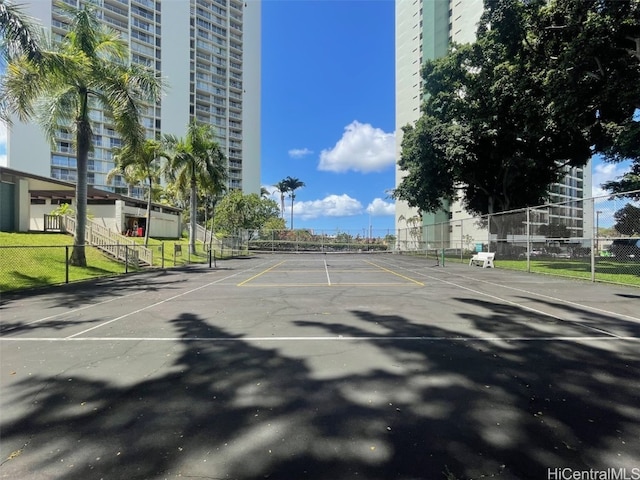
[281,186]
[141,165]
[131,174]
[292,184]
[18,33]
[18,36]
[196,160]
[86,69]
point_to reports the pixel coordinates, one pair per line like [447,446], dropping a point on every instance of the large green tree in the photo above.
[592,54]
[238,211]
[196,162]
[291,184]
[628,220]
[628,184]
[138,165]
[88,68]
[499,123]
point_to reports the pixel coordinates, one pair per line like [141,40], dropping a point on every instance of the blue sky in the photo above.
[328,109]
[328,112]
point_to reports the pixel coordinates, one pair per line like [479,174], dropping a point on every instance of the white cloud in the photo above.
[380,208]
[362,148]
[603,172]
[330,206]
[299,152]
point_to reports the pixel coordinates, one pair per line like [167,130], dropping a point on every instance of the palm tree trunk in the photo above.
[292,197]
[192,218]
[83,139]
[282,204]
[213,219]
[146,227]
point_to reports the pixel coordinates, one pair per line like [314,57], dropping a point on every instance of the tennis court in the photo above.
[320,366]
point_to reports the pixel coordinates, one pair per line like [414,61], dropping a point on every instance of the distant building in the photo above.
[424,30]
[208,52]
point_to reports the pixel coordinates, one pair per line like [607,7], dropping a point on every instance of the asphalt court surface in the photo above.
[320,366]
[331,270]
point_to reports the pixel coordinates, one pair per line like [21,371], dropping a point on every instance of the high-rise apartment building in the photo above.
[207,52]
[424,30]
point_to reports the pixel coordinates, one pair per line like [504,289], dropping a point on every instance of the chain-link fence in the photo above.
[595,238]
[308,240]
[35,266]
[23,267]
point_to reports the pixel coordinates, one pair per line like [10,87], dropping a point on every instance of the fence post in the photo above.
[528,242]
[593,260]
[126,259]
[66,264]
[461,238]
[442,241]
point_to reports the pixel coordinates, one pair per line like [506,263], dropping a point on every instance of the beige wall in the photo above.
[112,217]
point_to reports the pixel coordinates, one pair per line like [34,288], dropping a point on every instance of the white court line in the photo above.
[322,339]
[519,305]
[160,302]
[326,269]
[549,297]
[70,312]
[79,309]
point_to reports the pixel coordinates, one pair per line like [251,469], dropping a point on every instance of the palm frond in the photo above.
[19,32]
[56,110]
[21,84]
[125,91]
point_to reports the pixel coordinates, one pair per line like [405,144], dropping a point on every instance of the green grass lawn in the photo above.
[30,260]
[607,269]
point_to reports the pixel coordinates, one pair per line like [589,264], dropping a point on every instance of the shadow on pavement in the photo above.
[234,408]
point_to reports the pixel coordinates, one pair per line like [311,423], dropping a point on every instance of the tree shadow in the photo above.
[239,408]
[512,408]
[75,294]
[22,327]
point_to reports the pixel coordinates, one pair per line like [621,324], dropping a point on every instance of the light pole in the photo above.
[598,212]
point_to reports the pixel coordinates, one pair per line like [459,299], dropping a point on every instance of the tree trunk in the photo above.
[213,218]
[83,139]
[146,227]
[192,219]
[292,196]
[282,204]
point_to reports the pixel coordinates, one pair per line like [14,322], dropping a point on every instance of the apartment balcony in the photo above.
[121,12]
